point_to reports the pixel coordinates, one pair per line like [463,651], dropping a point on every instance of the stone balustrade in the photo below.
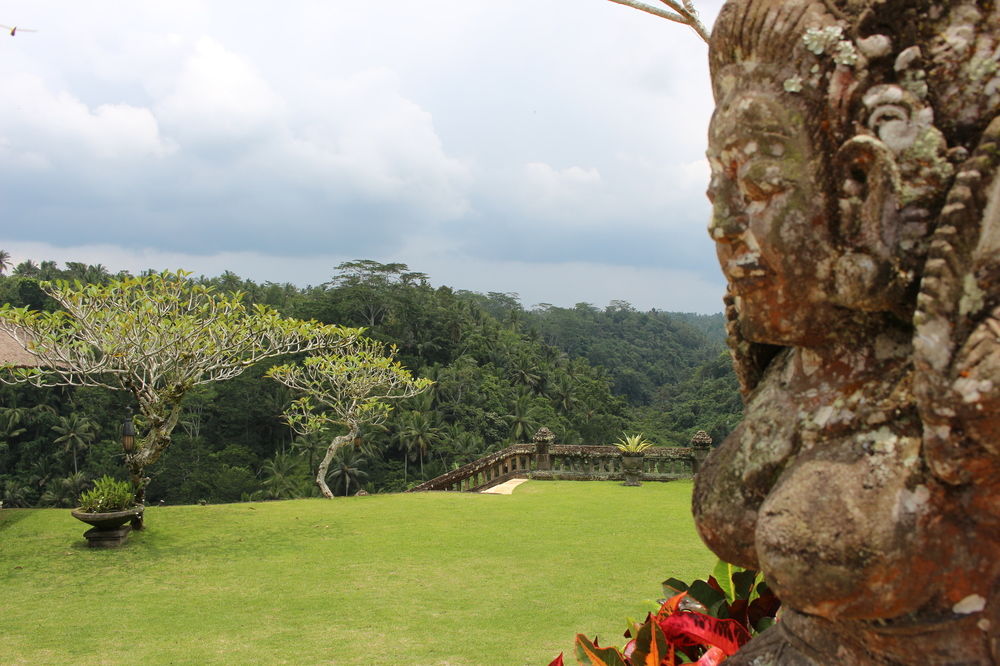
[566,462]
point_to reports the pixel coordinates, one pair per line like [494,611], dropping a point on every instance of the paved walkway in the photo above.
[505,488]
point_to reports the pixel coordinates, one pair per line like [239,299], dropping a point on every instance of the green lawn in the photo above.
[429,578]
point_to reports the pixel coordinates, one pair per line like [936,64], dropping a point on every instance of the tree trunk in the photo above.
[331,451]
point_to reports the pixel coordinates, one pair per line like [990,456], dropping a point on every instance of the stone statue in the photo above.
[856,215]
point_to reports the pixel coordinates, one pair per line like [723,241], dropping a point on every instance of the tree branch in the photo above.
[683,13]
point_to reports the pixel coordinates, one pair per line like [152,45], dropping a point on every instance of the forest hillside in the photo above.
[500,372]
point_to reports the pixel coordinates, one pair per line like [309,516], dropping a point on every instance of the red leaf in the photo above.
[738,611]
[558,661]
[669,606]
[713,657]
[591,654]
[696,629]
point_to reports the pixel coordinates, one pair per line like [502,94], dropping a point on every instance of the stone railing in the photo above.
[566,462]
[599,463]
[516,460]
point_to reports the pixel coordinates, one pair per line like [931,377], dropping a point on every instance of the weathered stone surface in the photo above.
[856,213]
[110,538]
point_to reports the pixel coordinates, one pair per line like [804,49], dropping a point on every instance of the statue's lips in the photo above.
[745,271]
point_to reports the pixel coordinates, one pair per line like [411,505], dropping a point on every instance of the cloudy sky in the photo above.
[553,148]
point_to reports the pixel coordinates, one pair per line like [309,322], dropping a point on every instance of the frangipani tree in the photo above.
[348,389]
[157,337]
[678,11]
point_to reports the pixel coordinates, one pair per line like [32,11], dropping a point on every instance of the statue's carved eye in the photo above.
[760,180]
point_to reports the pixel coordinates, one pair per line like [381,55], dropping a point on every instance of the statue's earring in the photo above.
[867,275]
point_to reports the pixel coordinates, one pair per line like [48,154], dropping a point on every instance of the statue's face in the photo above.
[770,217]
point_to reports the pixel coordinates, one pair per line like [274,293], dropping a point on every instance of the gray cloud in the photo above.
[468,134]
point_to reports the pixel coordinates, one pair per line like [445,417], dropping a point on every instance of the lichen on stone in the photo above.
[793,84]
[818,41]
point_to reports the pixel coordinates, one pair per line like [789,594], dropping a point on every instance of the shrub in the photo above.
[107,495]
[705,621]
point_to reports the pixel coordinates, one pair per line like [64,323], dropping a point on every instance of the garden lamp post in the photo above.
[128,434]
[128,444]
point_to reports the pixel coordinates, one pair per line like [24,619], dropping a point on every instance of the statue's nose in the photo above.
[729,219]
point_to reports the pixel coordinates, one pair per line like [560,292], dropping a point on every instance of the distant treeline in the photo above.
[500,372]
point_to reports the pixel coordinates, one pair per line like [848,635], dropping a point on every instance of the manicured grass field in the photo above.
[429,578]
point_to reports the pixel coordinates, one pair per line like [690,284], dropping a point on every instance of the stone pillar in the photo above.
[701,445]
[543,439]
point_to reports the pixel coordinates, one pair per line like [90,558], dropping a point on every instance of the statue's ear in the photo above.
[867,272]
[869,183]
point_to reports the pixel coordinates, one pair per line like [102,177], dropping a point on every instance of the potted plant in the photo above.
[106,508]
[632,448]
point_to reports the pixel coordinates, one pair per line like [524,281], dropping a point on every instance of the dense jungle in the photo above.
[500,371]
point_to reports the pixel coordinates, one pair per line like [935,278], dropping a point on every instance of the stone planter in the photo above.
[108,530]
[632,466]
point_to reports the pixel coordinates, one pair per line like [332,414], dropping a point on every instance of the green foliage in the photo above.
[157,337]
[107,495]
[633,444]
[498,373]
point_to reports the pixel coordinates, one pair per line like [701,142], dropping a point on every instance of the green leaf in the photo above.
[651,646]
[745,583]
[723,574]
[764,623]
[705,593]
[673,586]
[590,654]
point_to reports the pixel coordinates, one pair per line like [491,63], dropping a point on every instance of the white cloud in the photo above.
[217,96]
[41,127]
[574,193]
[364,132]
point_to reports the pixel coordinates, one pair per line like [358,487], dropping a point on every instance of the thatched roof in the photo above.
[11,352]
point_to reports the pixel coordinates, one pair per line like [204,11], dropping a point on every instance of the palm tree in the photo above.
[467,447]
[65,491]
[346,468]
[522,418]
[75,433]
[564,394]
[14,493]
[311,446]
[4,261]
[283,476]
[26,269]
[49,270]
[525,371]
[10,423]
[419,434]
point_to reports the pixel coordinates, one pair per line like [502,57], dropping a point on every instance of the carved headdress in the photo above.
[900,93]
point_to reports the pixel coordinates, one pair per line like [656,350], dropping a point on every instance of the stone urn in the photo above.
[632,468]
[108,529]
[542,439]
